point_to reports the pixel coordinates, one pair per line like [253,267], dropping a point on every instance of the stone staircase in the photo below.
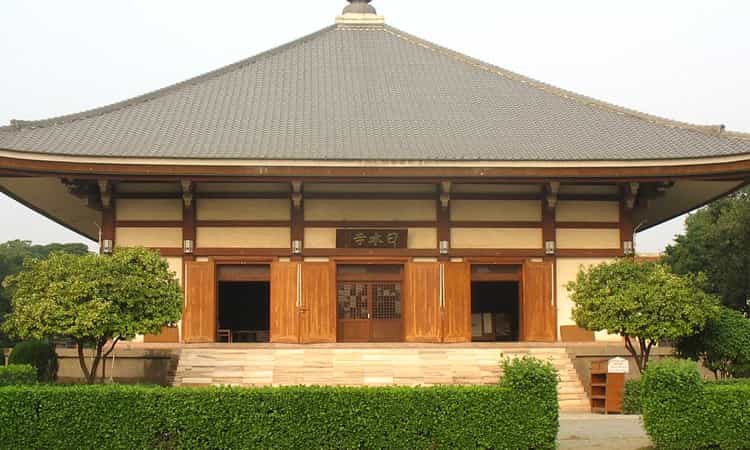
[367,365]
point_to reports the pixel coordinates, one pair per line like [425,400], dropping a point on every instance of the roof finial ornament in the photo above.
[359,12]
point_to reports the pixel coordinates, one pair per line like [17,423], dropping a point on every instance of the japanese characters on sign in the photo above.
[371,238]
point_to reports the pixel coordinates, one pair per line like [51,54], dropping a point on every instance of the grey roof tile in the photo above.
[367,93]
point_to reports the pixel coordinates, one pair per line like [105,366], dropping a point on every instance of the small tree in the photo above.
[641,301]
[95,300]
[723,346]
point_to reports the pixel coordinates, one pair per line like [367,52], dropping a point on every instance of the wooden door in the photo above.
[457,302]
[199,320]
[537,308]
[318,313]
[421,304]
[284,308]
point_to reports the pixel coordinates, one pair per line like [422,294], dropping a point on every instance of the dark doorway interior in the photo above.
[495,311]
[244,311]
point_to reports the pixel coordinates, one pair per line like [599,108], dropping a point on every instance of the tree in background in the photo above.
[717,243]
[12,256]
[94,300]
[723,346]
[644,302]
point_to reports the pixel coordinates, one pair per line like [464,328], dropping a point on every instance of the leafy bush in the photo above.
[644,302]
[17,374]
[631,402]
[680,411]
[112,416]
[723,346]
[38,354]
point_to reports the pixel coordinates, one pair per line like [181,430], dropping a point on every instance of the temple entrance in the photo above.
[369,303]
[495,303]
[244,304]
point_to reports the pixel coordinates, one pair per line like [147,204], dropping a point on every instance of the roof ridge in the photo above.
[16,125]
[710,130]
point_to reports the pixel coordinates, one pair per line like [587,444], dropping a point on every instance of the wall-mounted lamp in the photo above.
[188,246]
[549,247]
[107,246]
[628,248]
[297,247]
[444,247]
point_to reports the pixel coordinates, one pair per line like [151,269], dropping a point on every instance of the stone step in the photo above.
[351,366]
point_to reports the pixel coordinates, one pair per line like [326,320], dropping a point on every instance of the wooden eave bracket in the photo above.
[297,194]
[445,194]
[552,189]
[631,194]
[187,192]
[105,192]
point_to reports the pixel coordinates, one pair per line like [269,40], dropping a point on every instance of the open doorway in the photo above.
[244,304]
[495,303]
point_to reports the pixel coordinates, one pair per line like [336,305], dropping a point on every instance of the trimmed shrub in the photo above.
[17,374]
[39,354]
[631,402]
[723,346]
[125,417]
[680,411]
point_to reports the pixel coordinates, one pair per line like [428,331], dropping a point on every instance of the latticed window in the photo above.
[353,299]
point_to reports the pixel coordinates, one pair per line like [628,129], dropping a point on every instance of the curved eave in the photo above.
[725,167]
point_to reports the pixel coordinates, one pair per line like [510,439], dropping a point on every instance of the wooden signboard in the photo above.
[371,238]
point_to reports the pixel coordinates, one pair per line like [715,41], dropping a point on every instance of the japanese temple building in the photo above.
[362,184]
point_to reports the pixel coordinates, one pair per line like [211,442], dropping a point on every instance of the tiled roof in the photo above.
[368,93]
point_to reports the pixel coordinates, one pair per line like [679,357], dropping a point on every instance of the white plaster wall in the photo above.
[587,211]
[148,237]
[513,238]
[243,209]
[496,210]
[377,210]
[589,239]
[566,271]
[243,237]
[149,209]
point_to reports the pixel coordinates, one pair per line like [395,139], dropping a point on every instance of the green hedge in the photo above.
[128,417]
[631,402]
[681,411]
[40,354]
[17,374]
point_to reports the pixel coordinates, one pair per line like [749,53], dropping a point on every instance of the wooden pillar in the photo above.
[444,217]
[188,229]
[297,218]
[626,225]
[549,234]
[108,225]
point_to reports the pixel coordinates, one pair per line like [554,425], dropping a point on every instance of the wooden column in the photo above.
[108,225]
[188,229]
[626,225]
[444,216]
[629,198]
[297,217]
[549,233]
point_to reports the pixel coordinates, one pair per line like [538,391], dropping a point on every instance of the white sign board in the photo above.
[618,365]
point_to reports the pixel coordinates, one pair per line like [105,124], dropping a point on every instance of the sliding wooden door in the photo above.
[538,320]
[318,313]
[199,319]
[284,302]
[422,302]
[456,302]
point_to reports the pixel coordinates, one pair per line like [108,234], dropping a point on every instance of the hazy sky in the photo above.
[681,59]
